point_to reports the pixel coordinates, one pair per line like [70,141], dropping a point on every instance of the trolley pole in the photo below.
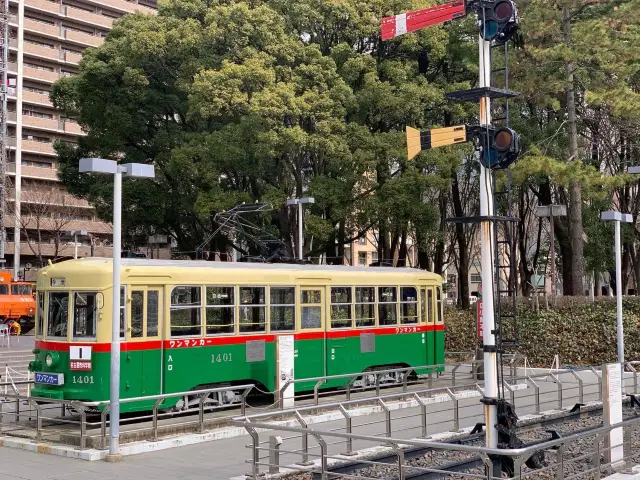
[487,273]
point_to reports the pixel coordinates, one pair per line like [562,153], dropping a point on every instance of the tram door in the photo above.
[143,356]
[311,343]
[428,316]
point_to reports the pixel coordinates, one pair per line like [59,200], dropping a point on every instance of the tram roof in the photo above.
[104,265]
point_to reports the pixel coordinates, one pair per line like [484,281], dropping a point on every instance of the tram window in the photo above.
[365,307]
[387,303]
[85,312]
[341,316]
[439,298]
[58,314]
[185,309]
[221,310]
[282,308]
[430,305]
[408,305]
[40,326]
[137,314]
[311,310]
[152,313]
[18,289]
[252,309]
[4,289]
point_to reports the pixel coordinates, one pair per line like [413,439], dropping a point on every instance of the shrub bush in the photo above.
[579,331]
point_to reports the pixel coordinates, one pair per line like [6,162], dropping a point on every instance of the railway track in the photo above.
[432,464]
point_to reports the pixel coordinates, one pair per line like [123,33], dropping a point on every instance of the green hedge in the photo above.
[579,331]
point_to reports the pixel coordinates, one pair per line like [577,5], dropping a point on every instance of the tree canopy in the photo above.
[238,101]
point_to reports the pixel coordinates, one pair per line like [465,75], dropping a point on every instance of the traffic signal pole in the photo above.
[486,253]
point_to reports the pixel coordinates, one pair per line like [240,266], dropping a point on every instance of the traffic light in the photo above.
[499,147]
[498,20]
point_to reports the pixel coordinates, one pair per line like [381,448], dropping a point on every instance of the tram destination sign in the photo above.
[50,378]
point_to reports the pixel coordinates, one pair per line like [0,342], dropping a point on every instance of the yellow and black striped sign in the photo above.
[434,137]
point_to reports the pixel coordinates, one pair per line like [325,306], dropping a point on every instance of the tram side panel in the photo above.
[353,351]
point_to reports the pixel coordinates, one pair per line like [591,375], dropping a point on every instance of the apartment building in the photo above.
[47,39]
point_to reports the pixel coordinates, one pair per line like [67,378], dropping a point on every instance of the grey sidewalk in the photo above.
[223,459]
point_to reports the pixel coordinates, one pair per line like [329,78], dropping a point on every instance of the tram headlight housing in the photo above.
[51,359]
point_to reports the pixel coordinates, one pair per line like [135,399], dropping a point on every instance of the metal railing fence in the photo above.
[561,388]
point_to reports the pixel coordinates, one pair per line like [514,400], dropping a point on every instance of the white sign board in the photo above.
[613,412]
[79,352]
[286,369]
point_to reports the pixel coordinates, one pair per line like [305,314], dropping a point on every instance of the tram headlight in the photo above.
[48,360]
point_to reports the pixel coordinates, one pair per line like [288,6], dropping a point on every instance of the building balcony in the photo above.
[128,7]
[84,16]
[13,68]
[38,147]
[38,98]
[11,116]
[44,5]
[40,173]
[41,28]
[83,38]
[41,75]
[71,57]
[37,122]
[53,198]
[68,126]
[28,249]
[49,53]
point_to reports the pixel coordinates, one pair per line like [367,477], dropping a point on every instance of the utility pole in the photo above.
[4,150]
[497,20]
[486,260]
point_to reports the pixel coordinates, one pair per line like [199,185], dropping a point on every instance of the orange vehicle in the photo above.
[17,303]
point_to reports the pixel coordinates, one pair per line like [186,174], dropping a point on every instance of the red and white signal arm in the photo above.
[417,19]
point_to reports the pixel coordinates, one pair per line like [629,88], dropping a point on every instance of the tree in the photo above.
[47,214]
[595,44]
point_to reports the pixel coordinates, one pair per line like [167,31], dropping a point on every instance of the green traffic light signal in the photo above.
[498,20]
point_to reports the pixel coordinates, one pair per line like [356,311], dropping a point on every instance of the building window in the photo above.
[252,309]
[374,257]
[362,240]
[476,278]
[362,259]
[341,315]
[221,310]
[282,308]
[185,310]
[408,305]
[38,67]
[387,303]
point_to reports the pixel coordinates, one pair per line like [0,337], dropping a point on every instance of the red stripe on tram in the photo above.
[130,346]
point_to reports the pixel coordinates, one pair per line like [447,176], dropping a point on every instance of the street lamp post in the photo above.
[300,202]
[552,211]
[75,234]
[103,166]
[618,217]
